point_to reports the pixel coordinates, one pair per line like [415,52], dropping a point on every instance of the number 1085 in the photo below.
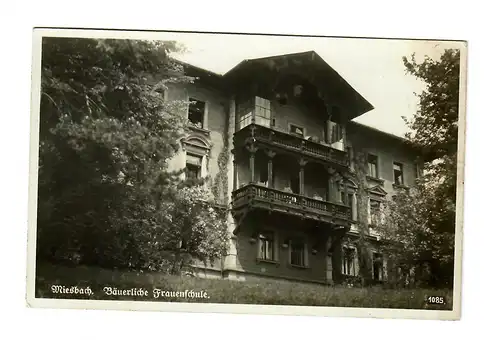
[435,300]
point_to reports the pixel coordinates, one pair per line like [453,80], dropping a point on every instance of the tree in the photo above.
[106,135]
[360,164]
[197,230]
[420,224]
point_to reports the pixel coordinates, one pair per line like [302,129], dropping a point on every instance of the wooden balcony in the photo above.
[288,143]
[253,196]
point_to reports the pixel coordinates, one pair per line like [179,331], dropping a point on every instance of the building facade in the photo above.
[275,138]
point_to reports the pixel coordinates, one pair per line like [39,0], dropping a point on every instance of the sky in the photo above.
[374,67]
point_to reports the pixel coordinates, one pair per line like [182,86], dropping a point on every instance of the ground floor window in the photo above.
[298,253]
[266,246]
[348,256]
[193,166]
[378,267]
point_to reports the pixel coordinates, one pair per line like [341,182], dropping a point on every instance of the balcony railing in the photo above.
[293,143]
[274,199]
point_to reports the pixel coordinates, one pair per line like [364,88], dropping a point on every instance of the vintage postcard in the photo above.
[240,173]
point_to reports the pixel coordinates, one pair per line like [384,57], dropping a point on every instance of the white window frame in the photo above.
[402,173]
[275,248]
[354,254]
[377,165]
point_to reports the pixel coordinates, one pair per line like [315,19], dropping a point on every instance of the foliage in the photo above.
[106,138]
[434,130]
[423,254]
[196,230]
[421,224]
[219,187]
[360,163]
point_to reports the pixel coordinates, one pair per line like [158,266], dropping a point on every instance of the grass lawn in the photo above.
[226,291]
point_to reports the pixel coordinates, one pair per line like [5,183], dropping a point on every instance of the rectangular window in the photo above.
[373,166]
[266,246]
[245,120]
[196,113]
[349,198]
[378,266]
[262,111]
[193,166]
[297,253]
[398,173]
[375,212]
[417,170]
[348,261]
[296,130]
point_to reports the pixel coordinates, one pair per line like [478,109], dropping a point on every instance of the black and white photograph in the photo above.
[246,173]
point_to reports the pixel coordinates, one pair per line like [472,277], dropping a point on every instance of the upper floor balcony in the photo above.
[292,129]
[290,143]
[254,196]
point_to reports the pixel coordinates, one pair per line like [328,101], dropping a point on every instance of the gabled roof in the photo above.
[313,67]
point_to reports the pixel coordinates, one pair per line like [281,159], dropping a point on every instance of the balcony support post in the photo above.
[302,164]
[252,149]
[270,181]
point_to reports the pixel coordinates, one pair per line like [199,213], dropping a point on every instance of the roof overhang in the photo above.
[334,89]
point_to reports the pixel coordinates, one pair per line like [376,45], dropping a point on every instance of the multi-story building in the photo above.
[275,136]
